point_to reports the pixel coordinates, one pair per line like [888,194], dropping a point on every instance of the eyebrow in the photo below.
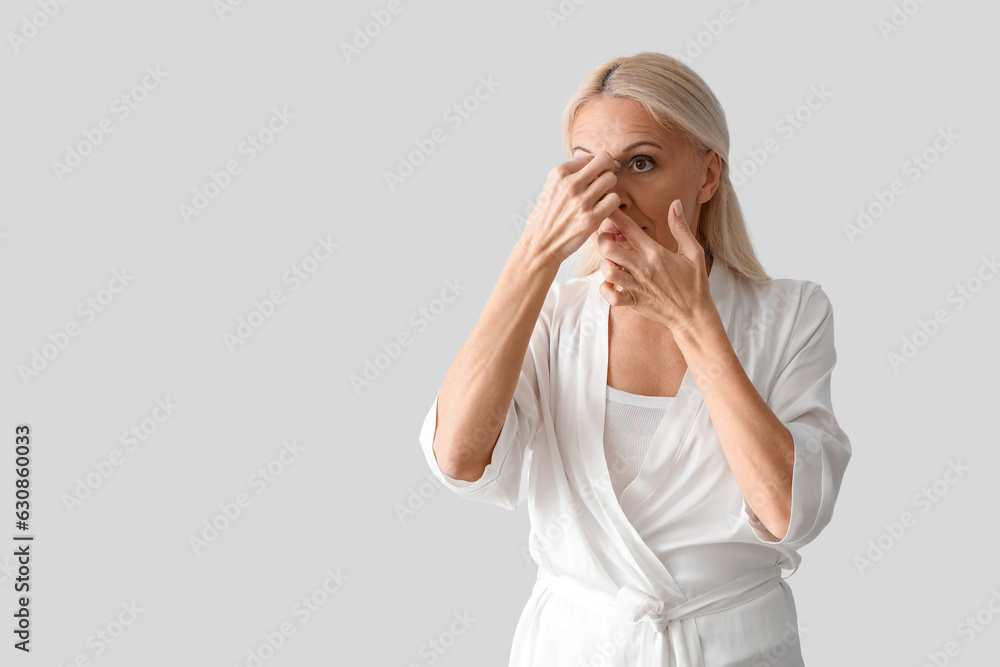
[627,149]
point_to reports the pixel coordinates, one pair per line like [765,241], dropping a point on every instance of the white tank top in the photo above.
[630,422]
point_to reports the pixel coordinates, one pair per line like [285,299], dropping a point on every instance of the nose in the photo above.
[619,190]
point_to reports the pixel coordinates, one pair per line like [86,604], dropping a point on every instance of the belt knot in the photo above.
[643,606]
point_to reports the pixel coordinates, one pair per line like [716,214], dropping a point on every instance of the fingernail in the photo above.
[678,208]
[618,165]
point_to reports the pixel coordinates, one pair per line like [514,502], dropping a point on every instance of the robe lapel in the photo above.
[672,434]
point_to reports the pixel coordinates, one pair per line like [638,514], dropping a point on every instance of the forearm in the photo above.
[479,386]
[758,447]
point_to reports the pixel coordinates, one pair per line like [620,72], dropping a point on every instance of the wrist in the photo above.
[701,329]
[534,255]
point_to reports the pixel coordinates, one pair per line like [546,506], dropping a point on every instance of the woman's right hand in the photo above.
[572,206]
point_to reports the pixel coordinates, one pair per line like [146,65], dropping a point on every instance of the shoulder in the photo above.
[775,319]
[566,299]
[565,319]
[782,298]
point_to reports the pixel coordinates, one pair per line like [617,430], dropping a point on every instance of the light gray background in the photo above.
[336,506]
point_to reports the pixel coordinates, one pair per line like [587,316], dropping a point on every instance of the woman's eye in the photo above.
[644,160]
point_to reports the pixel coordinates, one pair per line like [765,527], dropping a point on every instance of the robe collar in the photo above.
[721,285]
[624,523]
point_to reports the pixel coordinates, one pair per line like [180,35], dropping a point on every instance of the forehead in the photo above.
[613,123]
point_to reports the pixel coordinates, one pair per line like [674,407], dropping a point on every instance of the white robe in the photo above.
[681,573]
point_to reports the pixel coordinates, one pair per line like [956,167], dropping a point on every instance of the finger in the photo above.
[605,205]
[600,186]
[687,244]
[617,275]
[579,162]
[618,253]
[616,298]
[593,168]
[629,229]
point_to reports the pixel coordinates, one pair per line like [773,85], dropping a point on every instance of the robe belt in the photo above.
[641,606]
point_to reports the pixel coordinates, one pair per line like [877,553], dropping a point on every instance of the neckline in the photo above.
[625,521]
[640,400]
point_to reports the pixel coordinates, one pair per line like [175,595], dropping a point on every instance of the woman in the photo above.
[672,401]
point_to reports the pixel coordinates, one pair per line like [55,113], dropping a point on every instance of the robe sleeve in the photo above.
[800,398]
[500,483]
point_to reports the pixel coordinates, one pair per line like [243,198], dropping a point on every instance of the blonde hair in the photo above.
[680,100]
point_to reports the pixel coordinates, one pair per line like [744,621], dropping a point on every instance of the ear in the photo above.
[710,173]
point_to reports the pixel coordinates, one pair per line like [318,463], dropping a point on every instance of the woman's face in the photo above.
[656,165]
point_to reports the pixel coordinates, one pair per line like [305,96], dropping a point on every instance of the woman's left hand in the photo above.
[657,283]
